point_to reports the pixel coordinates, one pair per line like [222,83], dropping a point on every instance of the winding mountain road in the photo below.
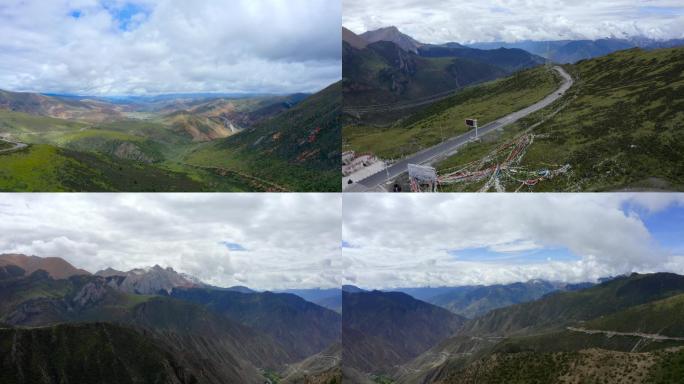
[650,336]
[16,147]
[451,145]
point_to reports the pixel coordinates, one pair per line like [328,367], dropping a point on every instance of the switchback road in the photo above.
[16,147]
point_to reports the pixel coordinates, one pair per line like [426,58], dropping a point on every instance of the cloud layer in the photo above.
[456,239]
[118,47]
[439,21]
[264,241]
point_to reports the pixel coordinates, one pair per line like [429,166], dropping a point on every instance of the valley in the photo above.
[152,143]
[624,330]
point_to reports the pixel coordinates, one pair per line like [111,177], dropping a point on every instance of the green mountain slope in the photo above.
[383,73]
[560,309]
[558,338]
[48,168]
[297,150]
[386,67]
[588,366]
[620,126]
[86,353]
[444,119]
[659,317]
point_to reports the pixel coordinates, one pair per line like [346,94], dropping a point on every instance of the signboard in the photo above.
[422,173]
[472,123]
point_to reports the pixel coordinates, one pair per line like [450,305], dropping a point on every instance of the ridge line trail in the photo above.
[651,336]
[452,144]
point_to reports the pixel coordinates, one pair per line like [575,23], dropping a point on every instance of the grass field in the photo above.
[51,169]
[621,127]
[485,102]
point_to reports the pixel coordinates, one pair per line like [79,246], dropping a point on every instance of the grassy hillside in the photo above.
[620,128]
[588,366]
[383,73]
[298,149]
[559,309]
[444,119]
[661,317]
[51,169]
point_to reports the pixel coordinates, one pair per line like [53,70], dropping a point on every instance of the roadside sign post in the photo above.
[472,123]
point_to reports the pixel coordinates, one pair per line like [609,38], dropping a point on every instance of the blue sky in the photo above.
[233,246]
[127,15]
[667,227]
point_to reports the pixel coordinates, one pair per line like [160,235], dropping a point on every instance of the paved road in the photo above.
[17,146]
[451,145]
[651,336]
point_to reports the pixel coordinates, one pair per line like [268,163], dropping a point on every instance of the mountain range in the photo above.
[572,51]
[385,66]
[623,329]
[165,326]
[476,300]
[156,323]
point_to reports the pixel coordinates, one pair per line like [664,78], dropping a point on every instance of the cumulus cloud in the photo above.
[286,240]
[118,47]
[439,21]
[418,240]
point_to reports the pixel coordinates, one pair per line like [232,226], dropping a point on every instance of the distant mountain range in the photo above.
[572,51]
[330,298]
[476,300]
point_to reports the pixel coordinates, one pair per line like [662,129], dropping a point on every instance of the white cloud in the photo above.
[291,240]
[439,21]
[145,46]
[409,240]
